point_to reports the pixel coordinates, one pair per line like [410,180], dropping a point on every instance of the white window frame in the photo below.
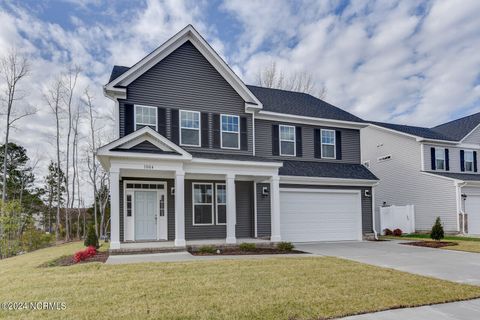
[222,131]
[294,140]
[328,144]
[465,160]
[216,203]
[199,128]
[211,204]
[145,124]
[442,158]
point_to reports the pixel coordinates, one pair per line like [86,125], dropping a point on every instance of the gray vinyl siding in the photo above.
[366,201]
[264,225]
[350,142]
[186,80]
[244,209]
[453,156]
[473,137]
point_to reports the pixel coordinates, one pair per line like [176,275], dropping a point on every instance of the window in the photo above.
[468,160]
[221,195]
[145,117]
[202,204]
[328,143]
[440,158]
[230,132]
[287,140]
[190,128]
[129,205]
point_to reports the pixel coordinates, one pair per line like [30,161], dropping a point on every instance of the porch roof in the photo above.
[326,170]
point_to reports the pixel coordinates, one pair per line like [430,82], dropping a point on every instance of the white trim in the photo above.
[328,144]
[216,203]
[116,115]
[199,128]
[144,124]
[422,156]
[211,204]
[294,140]
[283,117]
[327,181]
[187,34]
[221,131]
[253,133]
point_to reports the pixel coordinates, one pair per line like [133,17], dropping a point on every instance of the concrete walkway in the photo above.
[463,310]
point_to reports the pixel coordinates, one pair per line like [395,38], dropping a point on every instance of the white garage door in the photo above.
[320,215]
[472,208]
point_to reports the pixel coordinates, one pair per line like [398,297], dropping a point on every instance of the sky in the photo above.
[409,62]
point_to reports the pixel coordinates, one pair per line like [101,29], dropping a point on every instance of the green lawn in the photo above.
[467,244]
[274,288]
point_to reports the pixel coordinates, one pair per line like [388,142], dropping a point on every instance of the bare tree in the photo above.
[272,77]
[14,68]
[53,98]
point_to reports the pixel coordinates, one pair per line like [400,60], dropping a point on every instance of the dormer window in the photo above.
[145,116]
[230,131]
[189,128]
[440,158]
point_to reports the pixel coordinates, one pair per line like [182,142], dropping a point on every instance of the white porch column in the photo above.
[231,208]
[180,209]
[275,208]
[114,209]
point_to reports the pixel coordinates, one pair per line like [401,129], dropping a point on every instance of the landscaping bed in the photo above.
[235,251]
[65,261]
[431,244]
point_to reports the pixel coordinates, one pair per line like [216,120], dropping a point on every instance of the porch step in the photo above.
[124,251]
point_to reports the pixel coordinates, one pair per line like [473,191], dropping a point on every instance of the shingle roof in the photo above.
[458,176]
[240,157]
[297,103]
[416,131]
[117,71]
[326,170]
[458,129]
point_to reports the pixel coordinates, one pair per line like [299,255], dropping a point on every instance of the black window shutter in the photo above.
[475,161]
[162,121]
[129,121]
[298,141]
[338,144]
[316,143]
[175,126]
[275,140]
[243,134]
[216,131]
[204,125]
[432,157]
[447,161]
[462,160]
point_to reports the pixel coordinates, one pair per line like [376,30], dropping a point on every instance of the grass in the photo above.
[273,288]
[467,244]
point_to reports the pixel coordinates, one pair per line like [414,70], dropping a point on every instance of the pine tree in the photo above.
[437,230]
[91,239]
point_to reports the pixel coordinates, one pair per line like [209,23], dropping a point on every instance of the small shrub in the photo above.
[84,254]
[91,239]
[388,232]
[437,230]
[285,246]
[397,232]
[206,249]
[247,246]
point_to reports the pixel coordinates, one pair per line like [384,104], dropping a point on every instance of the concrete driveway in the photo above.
[450,265]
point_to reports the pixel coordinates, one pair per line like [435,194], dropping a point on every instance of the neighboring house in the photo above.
[200,155]
[435,169]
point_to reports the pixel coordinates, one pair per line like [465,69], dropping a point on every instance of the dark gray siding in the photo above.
[263,212]
[244,201]
[186,80]
[366,201]
[350,142]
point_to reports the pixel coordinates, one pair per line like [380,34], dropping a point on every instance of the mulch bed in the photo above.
[238,252]
[431,244]
[68,260]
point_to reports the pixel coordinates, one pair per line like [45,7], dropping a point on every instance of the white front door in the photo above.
[146,215]
[472,209]
[320,215]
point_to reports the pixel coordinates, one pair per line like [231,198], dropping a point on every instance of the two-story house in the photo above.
[435,169]
[200,155]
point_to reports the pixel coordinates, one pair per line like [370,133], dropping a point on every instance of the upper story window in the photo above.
[145,117]
[468,160]
[440,158]
[190,128]
[287,140]
[328,143]
[230,131]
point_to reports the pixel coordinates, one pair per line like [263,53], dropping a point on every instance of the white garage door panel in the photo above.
[320,215]
[472,208]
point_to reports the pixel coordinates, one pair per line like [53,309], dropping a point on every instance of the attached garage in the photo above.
[320,214]
[472,209]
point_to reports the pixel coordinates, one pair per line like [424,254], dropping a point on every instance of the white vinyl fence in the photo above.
[401,217]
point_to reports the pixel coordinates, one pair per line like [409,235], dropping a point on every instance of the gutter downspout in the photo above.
[459,186]
[375,234]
